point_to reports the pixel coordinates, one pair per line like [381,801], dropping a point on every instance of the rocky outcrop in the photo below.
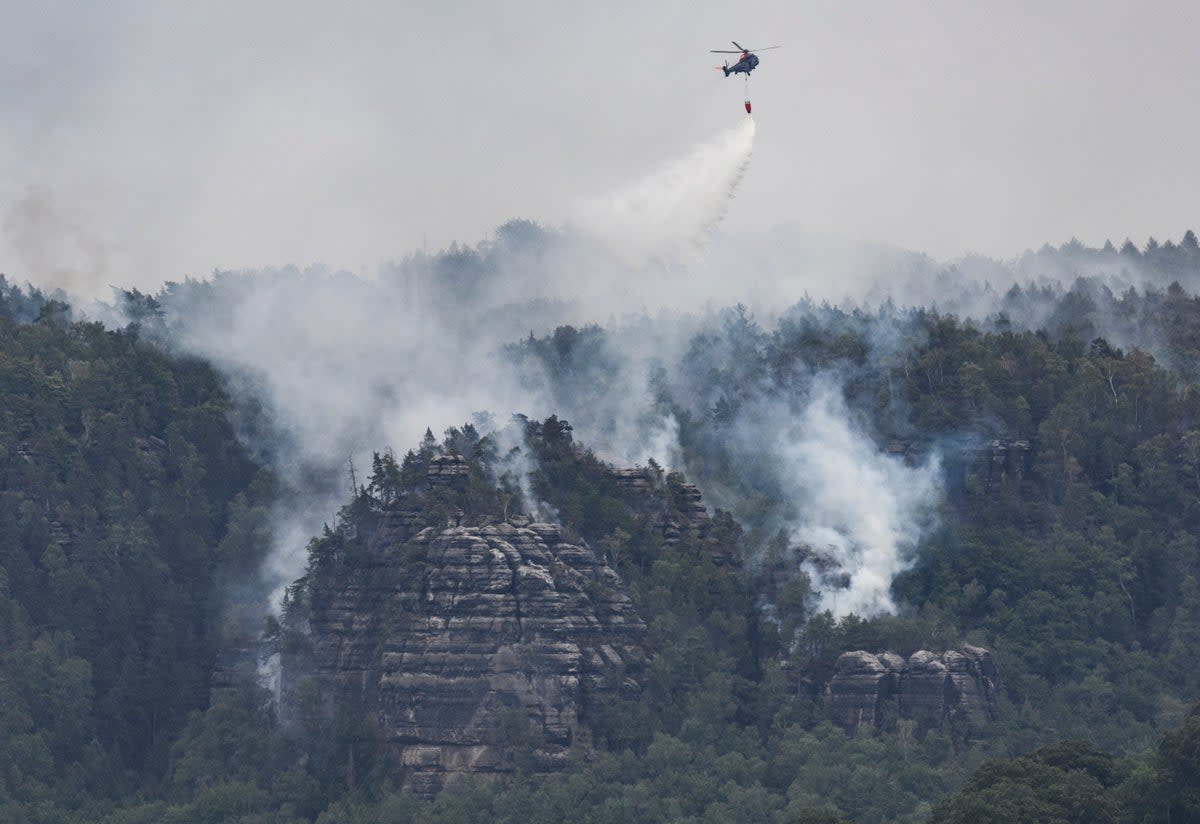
[449,471]
[675,506]
[860,684]
[475,641]
[978,466]
[998,461]
[457,641]
[956,687]
[637,482]
[688,501]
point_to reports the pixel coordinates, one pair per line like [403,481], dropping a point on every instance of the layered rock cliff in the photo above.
[466,644]
[675,508]
[956,688]
[442,625]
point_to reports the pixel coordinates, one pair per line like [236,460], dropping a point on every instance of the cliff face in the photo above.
[509,622]
[955,687]
[676,508]
[466,645]
[465,641]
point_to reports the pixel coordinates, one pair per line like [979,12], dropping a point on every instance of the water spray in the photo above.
[667,215]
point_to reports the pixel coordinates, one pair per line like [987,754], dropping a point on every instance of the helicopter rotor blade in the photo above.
[741,49]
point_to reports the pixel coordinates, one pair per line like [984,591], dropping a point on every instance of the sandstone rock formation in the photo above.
[998,461]
[472,640]
[676,506]
[457,638]
[980,466]
[955,687]
[860,685]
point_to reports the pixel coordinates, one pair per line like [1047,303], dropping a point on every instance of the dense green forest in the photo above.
[126,504]
[132,518]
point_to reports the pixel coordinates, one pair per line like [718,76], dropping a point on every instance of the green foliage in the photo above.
[1076,782]
[1073,556]
[127,507]
[124,498]
[1167,788]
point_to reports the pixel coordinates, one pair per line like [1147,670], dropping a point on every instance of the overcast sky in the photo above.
[142,141]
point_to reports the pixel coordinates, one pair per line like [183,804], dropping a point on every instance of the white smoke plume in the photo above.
[668,215]
[859,507]
[342,366]
[515,467]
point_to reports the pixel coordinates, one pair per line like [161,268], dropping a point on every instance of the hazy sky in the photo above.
[143,141]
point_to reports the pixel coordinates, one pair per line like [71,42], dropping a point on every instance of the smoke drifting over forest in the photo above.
[868,509]
[331,366]
[344,366]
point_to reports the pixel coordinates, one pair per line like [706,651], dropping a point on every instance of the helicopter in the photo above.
[745,64]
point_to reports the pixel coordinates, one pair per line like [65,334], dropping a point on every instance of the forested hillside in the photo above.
[126,507]
[1028,478]
[1068,538]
